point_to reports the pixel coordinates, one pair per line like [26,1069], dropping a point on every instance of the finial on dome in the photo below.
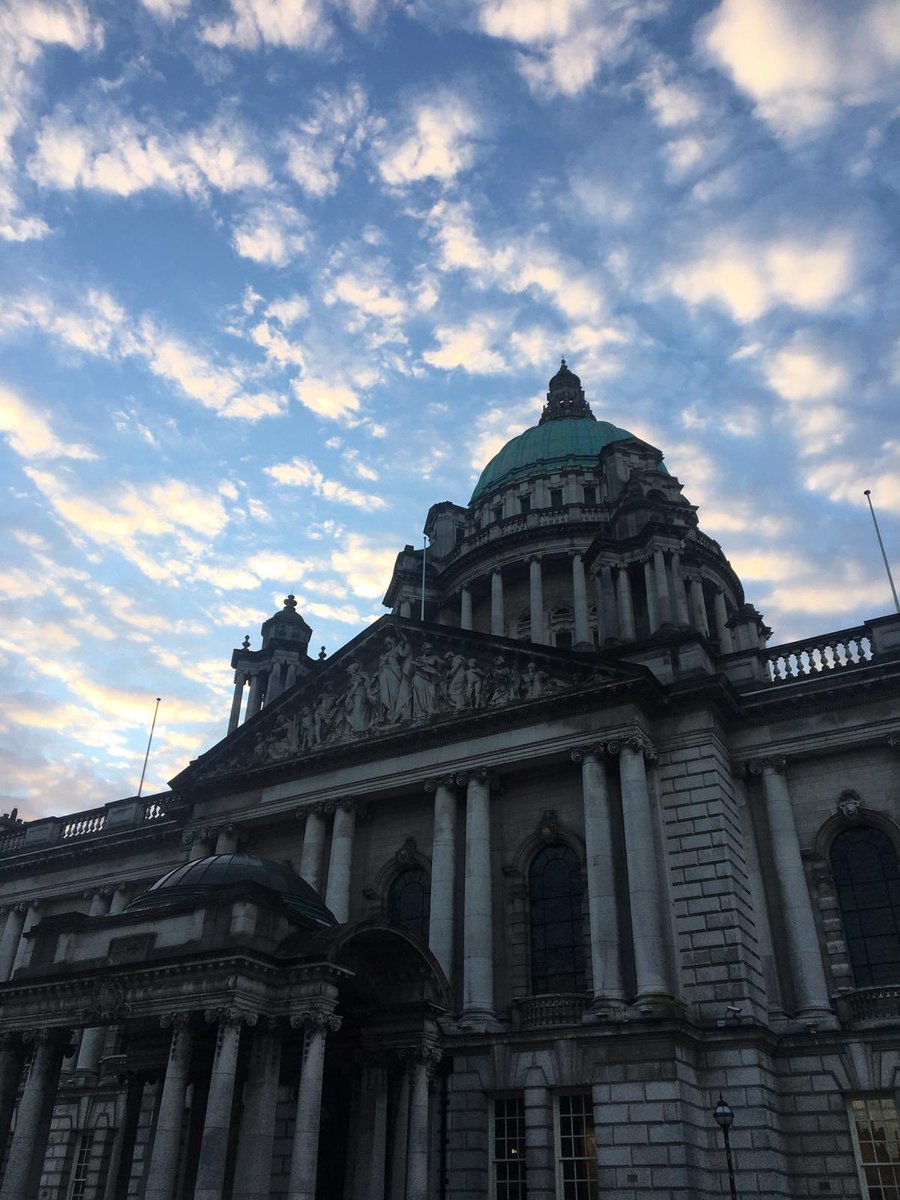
[290,602]
[246,641]
[565,397]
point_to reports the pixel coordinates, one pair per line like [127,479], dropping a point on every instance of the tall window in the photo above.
[876,1137]
[556,498]
[557,945]
[80,1165]
[509,1149]
[577,1155]
[408,902]
[867,880]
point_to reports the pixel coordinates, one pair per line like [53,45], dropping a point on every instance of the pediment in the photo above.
[401,676]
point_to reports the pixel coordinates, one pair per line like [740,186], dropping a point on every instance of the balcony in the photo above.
[869,1008]
[552,1009]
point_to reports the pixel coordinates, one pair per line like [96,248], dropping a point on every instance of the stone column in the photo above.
[305,1156]
[227,839]
[580,606]
[625,606]
[698,607]
[93,1037]
[663,599]
[682,616]
[723,633]
[162,1168]
[443,872]
[254,701]
[498,624]
[536,600]
[128,1112]
[405,609]
[23,950]
[253,1164]
[421,1060]
[465,609]
[313,846]
[217,1121]
[11,1056]
[802,952]
[540,1156]
[118,898]
[12,933]
[608,598]
[478,952]
[277,676]
[401,1134]
[29,1143]
[650,591]
[651,951]
[237,700]
[378,1155]
[600,862]
[340,862]
[199,842]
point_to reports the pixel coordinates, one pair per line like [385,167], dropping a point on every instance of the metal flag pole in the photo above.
[868,495]
[422,606]
[149,740]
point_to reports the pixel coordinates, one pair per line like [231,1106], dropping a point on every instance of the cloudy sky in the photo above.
[278,274]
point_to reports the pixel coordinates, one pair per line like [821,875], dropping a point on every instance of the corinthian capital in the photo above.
[316,1020]
[776,763]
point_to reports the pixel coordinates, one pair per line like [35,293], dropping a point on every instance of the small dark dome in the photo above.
[564,378]
[205,875]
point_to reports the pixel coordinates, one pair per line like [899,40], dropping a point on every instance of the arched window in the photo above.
[408,902]
[867,881]
[557,945]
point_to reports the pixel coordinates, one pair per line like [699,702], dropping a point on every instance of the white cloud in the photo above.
[326,397]
[288,310]
[273,234]
[29,432]
[469,346]
[299,25]
[562,45]
[799,63]
[167,10]
[366,565]
[439,142]
[812,381]
[328,139]
[300,472]
[276,346]
[27,28]
[845,480]
[749,278]
[112,152]
[494,428]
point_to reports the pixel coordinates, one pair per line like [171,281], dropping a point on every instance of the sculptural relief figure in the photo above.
[534,681]
[357,700]
[426,682]
[323,716]
[389,673]
[306,728]
[280,742]
[474,683]
[504,681]
[456,680]
[402,710]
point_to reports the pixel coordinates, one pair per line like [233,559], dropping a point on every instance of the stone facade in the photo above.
[490,904]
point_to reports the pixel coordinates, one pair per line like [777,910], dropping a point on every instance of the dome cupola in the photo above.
[565,397]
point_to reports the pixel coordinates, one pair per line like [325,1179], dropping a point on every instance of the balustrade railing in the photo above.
[154,809]
[84,824]
[555,1008]
[870,1006]
[11,841]
[844,650]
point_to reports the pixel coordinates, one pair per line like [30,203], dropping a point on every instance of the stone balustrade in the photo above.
[869,1008]
[90,825]
[555,1008]
[843,650]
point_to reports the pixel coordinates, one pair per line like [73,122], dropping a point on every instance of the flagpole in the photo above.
[422,606]
[147,755]
[868,495]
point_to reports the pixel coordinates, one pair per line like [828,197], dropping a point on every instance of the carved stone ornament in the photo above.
[316,1021]
[108,1004]
[407,852]
[398,681]
[635,742]
[547,827]
[777,763]
[850,805]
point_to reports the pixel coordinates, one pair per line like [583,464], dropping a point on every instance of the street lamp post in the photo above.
[724,1116]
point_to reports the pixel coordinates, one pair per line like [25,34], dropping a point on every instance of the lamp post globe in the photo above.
[724,1117]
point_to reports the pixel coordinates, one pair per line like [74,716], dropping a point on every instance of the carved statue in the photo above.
[456,680]
[426,683]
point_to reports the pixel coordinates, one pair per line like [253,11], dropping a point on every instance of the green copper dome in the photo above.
[551,446]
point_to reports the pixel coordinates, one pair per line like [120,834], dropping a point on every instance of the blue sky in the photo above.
[276,276]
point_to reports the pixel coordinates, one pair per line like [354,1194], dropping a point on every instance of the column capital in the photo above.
[894,741]
[347,805]
[482,774]
[637,743]
[597,750]
[436,781]
[316,1020]
[425,1054]
[175,1020]
[777,764]
[46,1035]
[229,1016]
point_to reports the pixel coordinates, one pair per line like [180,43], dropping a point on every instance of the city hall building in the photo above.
[496,901]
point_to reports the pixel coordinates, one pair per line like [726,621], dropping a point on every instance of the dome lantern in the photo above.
[565,397]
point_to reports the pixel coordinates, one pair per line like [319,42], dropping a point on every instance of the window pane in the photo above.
[877,1138]
[409,901]
[577,1148]
[867,881]
[509,1148]
[555,903]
